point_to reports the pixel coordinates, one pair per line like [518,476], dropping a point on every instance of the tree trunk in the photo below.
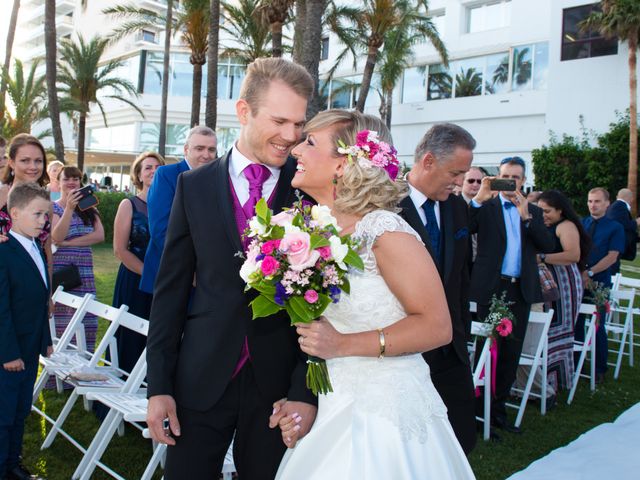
[195,94]
[633,123]
[299,31]
[276,39]
[385,107]
[211,107]
[51,75]
[82,126]
[366,78]
[389,108]
[7,57]
[312,49]
[162,137]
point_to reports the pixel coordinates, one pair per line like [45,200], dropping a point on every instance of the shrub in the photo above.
[108,207]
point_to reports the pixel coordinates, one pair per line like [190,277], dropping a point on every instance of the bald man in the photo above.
[620,211]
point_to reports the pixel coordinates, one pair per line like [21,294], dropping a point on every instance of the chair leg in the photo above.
[631,342]
[545,382]
[60,420]
[98,445]
[593,361]
[156,459]
[527,391]
[623,342]
[487,399]
[576,374]
[43,378]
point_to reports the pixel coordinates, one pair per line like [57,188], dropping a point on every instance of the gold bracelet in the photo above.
[382,344]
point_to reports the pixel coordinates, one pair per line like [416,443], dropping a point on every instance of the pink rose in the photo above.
[297,247]
[325,252]
[269,266]
[505,327]
[269,246]
[282,219]
[311,296]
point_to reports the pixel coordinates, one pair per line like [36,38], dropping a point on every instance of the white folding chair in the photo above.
[634,338]
[112,374]
[65,353]
[584,348]
[482,374]
[538,329]
[620,324]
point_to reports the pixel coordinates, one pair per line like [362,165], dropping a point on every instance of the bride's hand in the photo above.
[320,339]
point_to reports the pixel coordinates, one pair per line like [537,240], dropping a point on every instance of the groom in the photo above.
[212,370]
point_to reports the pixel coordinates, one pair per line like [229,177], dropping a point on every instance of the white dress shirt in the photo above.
[418,198]
[29,244]
[237,164]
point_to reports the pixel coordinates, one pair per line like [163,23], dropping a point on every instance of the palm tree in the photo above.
[276,14]
[312,49]
[28,97]
[246,27]
[51,73]
[211,107]
[162,138]
[298,30]
[11,34]
[621,19]
[468,82]
[368,26]
[192,20]
[84,82]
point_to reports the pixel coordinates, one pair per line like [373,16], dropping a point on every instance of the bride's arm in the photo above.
[411,275]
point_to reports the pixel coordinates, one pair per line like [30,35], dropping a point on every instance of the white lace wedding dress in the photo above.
[384,419]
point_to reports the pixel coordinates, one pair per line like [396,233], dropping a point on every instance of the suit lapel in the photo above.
[411,215]
[497,207]
[225,200]
[283,187]
[26,257]
[446,229]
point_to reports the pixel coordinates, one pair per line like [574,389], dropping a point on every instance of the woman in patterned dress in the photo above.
[74,232]
[567,263]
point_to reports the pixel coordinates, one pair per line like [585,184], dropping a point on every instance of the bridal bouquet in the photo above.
[298,262]
[500,319]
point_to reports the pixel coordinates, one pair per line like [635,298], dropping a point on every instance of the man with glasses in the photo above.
[471,184]
[510,234]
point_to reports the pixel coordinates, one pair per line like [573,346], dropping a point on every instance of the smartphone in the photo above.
[88,199]
[503,184]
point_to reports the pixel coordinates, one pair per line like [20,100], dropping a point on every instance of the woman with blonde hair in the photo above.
[130,240]
[384,418]
[53,169]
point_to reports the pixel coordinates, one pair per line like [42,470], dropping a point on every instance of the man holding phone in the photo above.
[510,234]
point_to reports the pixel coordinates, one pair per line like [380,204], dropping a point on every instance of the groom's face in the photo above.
[273,127]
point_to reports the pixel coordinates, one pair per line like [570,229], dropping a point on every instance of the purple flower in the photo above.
[334,293]
[281,294]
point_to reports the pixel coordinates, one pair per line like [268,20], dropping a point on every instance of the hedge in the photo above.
[108,207]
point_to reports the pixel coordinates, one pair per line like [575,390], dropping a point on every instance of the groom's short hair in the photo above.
[262,71]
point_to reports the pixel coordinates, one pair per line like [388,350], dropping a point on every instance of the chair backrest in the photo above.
[480,329]
[74,327]
[473,307]
[626,282]
[134,323]
[537,332]
[112,315]
[587,308]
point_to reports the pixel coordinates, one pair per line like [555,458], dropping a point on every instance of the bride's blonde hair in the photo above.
[360,190]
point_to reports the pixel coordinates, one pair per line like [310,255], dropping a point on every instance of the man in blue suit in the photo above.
[620,211]
[24,325]
[199,149]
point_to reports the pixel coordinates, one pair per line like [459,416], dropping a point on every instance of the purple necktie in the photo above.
[256,174]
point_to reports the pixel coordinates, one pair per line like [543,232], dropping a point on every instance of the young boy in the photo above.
[24,326]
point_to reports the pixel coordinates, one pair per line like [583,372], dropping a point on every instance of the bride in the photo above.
[384,418]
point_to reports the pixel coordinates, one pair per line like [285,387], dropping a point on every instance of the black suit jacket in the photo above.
[454,273]
[24,305]
[619,212]
[488,222]
[194,344]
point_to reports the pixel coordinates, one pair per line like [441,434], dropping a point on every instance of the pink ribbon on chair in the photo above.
[493,351]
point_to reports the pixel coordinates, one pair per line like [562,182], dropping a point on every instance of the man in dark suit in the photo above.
[442,158]
[212,370]
[510,234]
[620,211]
[199,149]
[24,320]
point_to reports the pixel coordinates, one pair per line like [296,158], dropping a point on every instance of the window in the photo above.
[468,77]
[230,76]
[578,44]
[176,137]
[148,36]
[488,16]
[440,83]
[496,78]
[438,22]
[414,85]
[324,49]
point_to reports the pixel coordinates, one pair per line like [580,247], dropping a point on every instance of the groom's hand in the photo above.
[294,418]
[159,408]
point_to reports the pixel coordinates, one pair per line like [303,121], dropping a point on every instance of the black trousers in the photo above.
[205,436]
[509,348]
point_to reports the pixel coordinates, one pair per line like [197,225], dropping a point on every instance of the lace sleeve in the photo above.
[372,226]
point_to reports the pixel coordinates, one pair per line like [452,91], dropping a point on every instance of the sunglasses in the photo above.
[474,180]
[516,160]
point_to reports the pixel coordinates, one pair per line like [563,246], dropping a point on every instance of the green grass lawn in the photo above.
[490,460]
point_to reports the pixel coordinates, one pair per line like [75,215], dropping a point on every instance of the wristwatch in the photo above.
[542,257]
[590,273]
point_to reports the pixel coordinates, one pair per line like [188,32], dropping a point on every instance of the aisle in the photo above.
[608,451]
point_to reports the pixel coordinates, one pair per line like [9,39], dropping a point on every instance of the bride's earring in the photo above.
[334,182]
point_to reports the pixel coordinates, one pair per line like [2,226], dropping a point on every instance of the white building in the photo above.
[518,70]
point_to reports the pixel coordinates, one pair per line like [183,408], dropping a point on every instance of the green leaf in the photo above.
[346,286]
[265,288]
[293,314]
[322,304]
[262,306]
[353,259]
[318,241]
[302,309]
[277,232]
[263,212]
[298,221]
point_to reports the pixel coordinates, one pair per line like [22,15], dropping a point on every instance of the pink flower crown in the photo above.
[369,151]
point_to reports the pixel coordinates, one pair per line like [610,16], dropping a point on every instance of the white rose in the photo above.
[338,251]
[290,228]
[322,215]
[256,228]
[248,267]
